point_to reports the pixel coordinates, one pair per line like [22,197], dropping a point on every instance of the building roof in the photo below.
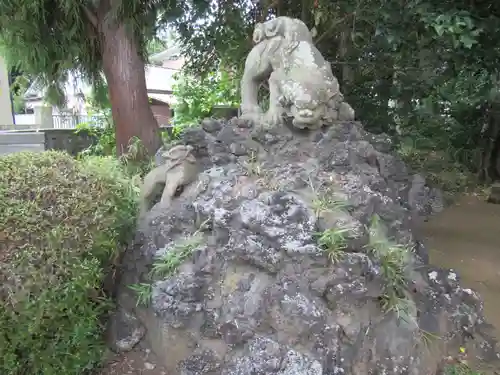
[165,98]
[173,52]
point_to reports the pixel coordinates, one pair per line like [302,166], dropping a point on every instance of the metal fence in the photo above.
[71,121]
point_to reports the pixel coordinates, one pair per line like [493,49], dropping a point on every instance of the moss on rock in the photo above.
[61,222]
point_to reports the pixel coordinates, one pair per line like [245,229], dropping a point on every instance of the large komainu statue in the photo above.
[301,82]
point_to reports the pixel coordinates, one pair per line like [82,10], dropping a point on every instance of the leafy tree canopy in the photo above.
[48,39]
[197,97]
[422,70]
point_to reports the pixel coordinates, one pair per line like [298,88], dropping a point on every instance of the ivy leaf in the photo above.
[439,28]
[467,41]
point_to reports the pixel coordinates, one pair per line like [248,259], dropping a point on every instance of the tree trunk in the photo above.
[345,46]
[489,169]
[126,78]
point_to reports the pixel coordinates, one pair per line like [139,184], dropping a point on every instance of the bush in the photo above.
[104,139]
[197,96]
[62,220]
[443,168]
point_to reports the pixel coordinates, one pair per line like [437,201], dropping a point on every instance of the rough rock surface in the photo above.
[494,196]
[258,295]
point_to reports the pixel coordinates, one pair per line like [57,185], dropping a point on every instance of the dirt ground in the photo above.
[466,238]
[140,361]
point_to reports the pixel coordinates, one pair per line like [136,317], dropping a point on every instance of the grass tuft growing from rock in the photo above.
[333,242]
[167,263]
[61,223]
[461,369]
[394,260]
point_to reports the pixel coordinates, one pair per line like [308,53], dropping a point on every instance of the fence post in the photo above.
[6,117]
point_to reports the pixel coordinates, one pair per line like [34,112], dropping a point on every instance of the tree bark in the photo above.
[345,45]
[489,168]
[126,78]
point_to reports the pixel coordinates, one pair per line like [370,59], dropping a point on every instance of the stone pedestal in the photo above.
[43,116]
[6,117]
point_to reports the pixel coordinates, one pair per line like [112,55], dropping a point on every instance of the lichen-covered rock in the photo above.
[247,286]
[125,331]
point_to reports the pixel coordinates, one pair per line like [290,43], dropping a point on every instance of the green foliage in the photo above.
[458,26]
[224,36]
[415,70]
[174,135]
[103,133]
[447,169]
[104,140]
[173,258]
[104,144]
[333,241]
[394,263]
[133,161]
[166,264]
[49,40]
[62,222]
[18,89]
[156,45]
[460,369]
[143,292]
[196,96]
[98,102]
[326,202]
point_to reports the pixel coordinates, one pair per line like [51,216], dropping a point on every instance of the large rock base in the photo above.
[247,287]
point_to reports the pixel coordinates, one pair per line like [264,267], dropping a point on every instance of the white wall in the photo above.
[25,119]
[159,78]
[5,103]
[55,110]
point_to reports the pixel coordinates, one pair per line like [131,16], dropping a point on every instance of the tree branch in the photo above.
[305,8]
[330,29]
[91,16]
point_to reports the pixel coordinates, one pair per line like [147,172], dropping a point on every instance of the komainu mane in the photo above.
[301,82]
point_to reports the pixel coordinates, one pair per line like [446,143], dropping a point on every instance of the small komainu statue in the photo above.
[179,170]
[301,82]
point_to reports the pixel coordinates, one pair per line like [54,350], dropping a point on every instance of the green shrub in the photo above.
[442,168]
[61,222]
[196,96]
[104,140]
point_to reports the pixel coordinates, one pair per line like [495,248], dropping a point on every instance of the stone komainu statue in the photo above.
[179,170]
[301,82]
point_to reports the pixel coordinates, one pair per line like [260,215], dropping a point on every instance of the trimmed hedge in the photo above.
[61,222]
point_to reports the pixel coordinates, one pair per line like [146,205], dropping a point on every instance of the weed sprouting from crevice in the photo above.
[333,241]
[143,292]
[253,165]
[166,264]
[394,261]
[326,201]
